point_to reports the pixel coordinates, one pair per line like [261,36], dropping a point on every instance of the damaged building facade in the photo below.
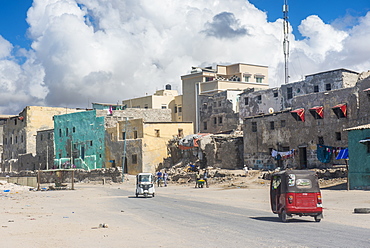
[303,127]
[20,132]
[220,112]
[142,143]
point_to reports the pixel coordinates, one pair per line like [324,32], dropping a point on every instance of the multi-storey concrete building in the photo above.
[208,81]
[311,125]
[145,142]
[220,112]
[20,136]
[82,139]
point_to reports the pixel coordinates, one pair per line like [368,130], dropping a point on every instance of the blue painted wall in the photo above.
[80,135]
[359,159]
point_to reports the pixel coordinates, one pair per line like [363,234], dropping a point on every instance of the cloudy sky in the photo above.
[71,53]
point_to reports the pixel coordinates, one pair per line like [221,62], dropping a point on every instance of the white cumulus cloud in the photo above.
[87,51]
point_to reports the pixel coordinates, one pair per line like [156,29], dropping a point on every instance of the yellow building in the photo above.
[208,81]
[146,143]
[161,99]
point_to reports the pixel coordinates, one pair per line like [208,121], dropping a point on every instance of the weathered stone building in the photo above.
[208,81]
[254,102]
[220,112]
[317,117]
[45,149]
[83,139]
[20,136]
[145,141]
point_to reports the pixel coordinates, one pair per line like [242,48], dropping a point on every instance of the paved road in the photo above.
[175,219]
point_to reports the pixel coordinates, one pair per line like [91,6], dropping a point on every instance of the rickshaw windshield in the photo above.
[144,178]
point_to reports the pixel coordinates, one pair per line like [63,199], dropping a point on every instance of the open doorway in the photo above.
[302,157]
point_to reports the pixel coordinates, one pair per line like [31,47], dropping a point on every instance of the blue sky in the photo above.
[328,10]
[87,51]
[13,25]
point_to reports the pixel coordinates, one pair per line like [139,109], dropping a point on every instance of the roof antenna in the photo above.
[286,41]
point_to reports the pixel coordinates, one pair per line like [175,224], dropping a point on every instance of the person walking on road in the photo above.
[165,177]
[159,178]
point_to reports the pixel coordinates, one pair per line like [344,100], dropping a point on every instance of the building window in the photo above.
[220,120]
[285,148]
[15,121]
[180,132]
[320,140]
[6,141]
[282,123]
[175,110]
[328,87]
[60,132]
[316,88]
[219,103]
[272,125]
[135,134]
[75,146]
[123,135]
[276,94]
[60,155]
[66,131]
[259,99]
[205,125]
[91,143]
[214,120]
[16,139]
[146,106]
[246,101]
[73,129]
[368,147]
[338,136]
[157,133]
[289,92]
[259,80]
[254,127]
[164,106]
[134,158]
[11,140]
[179,109]
[21,138]
[247,78]
[209,79]
[41,137]
[49,135]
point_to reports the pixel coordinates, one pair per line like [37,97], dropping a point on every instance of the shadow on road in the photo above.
[276,219]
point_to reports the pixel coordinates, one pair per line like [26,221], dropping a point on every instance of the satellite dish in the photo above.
[271,110]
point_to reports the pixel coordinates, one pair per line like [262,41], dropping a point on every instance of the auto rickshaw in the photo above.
[296,192]
[145,184]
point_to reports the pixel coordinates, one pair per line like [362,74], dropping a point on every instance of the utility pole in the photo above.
[124,152]
[286,41]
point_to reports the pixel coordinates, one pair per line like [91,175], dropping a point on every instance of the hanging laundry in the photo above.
[324,153]
[282,155]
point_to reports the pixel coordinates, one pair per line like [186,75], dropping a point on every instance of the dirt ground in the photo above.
[32,218]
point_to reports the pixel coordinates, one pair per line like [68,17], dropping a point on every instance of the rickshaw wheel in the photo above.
[137,195]
[317,219]
[283,216]
[153,194]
